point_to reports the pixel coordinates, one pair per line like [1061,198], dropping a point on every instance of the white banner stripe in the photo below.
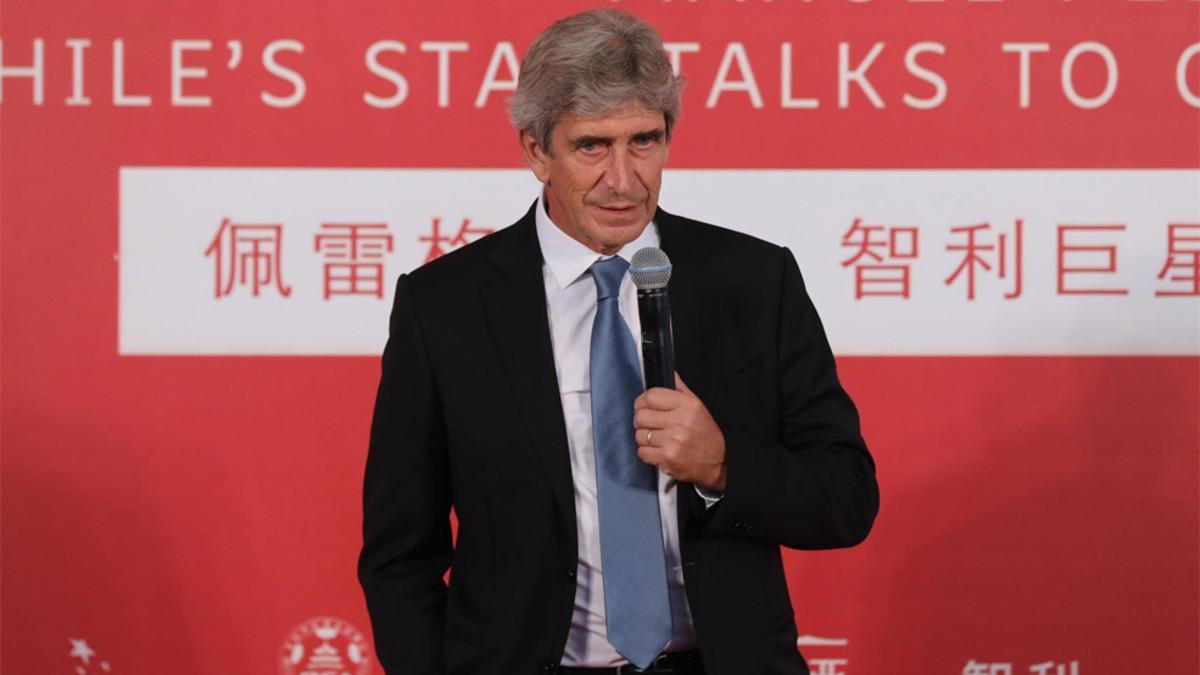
[1064,262]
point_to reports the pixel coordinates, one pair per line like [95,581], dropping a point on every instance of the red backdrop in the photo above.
[185,513]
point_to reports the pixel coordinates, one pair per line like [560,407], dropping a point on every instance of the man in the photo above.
[601,528]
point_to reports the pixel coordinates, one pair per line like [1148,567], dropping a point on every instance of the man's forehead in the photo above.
[628,119]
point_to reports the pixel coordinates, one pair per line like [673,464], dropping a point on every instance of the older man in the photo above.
[602,529]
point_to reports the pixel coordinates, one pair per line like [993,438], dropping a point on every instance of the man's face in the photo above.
[603,176]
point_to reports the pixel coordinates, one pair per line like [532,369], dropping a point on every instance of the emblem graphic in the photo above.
[324,645]
[88,662]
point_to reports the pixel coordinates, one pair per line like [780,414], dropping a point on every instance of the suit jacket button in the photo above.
[549,666]
[739,525]
[570,573]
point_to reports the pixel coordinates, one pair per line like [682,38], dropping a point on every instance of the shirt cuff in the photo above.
[710,498]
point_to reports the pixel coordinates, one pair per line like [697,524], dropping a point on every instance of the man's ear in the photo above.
[536,157]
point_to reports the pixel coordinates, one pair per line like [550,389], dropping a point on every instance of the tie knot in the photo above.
[607,275]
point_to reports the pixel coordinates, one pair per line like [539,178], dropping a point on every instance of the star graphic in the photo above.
[80,649]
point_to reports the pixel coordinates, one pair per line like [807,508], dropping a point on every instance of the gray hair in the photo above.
[591,64]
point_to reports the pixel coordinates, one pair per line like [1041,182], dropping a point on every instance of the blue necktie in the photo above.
[631,545]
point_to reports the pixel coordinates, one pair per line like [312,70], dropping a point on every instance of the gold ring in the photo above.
[649,436]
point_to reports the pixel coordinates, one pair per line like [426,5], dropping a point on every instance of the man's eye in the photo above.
[589,146]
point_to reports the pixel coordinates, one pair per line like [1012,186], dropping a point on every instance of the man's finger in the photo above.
[650,455]
[657,398]
[648,418]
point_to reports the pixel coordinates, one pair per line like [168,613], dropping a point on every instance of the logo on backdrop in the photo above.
[324,645]
[829,658]
[85,660]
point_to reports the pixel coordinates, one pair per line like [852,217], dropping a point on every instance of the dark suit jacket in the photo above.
[468,415]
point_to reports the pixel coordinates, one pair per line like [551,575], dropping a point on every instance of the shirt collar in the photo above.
[569,259]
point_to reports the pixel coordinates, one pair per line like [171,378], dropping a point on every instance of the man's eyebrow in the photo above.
[590,139]
[650,134]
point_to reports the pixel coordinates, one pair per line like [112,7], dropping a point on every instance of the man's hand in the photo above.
[675,433]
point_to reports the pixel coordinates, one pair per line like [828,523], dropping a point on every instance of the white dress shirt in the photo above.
[571,306]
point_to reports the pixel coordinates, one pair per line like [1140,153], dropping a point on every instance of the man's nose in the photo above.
[620,176]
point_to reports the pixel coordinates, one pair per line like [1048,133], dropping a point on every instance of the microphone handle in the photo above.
[658,349]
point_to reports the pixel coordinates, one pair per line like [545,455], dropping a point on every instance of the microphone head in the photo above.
[650,269]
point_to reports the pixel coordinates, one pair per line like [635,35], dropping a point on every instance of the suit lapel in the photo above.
[515,302]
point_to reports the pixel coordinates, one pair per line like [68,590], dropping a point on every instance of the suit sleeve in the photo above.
[406,500]
[815,488]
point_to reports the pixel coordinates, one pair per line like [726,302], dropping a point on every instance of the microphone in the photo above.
[651,270]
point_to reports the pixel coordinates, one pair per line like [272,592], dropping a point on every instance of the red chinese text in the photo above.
[1006,262]
[353,257]
[1182,266]
[466,234]
[876,243]
[248,255]
[1076,258]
